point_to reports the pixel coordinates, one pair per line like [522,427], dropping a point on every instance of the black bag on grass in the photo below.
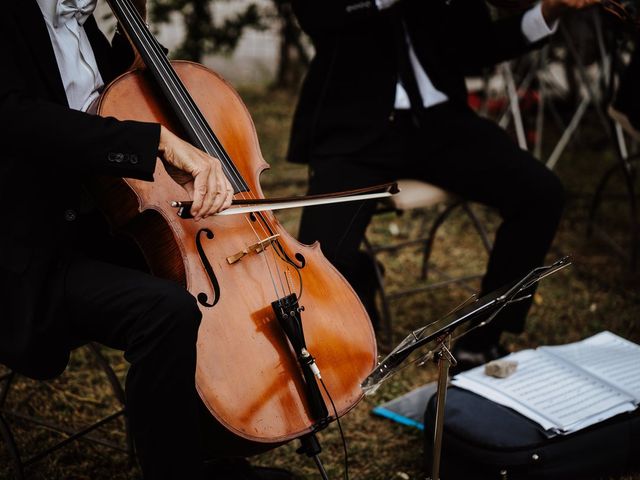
[483,440]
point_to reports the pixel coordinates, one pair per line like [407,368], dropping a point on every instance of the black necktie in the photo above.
[405,70]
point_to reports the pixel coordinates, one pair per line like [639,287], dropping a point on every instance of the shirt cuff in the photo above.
[382,4]
[534,26]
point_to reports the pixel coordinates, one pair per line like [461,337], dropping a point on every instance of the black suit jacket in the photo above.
[349,91]
[45,149]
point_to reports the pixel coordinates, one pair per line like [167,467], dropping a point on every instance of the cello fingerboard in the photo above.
[182,104]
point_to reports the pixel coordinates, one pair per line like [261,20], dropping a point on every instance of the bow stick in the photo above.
[265,204]
[623,10]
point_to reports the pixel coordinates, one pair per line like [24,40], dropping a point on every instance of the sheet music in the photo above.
[560,395]
[607,356]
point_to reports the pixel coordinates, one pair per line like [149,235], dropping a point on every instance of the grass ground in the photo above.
[599,292]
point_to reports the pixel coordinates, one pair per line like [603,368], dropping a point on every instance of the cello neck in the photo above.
[173,90]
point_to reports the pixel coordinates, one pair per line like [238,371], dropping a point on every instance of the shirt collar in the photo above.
[50,10]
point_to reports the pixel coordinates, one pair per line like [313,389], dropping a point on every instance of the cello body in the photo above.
[247,374]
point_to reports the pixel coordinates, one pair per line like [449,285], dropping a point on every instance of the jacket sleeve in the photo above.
[484,42]
[318,16]
[38,130]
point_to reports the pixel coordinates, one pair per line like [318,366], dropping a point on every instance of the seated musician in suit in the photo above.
[54,293]
[385,99]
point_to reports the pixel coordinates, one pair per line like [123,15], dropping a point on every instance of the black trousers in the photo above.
[155,322]
[628,95]
[472,157]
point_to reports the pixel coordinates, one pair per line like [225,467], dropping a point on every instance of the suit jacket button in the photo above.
[116,157]
[70,215]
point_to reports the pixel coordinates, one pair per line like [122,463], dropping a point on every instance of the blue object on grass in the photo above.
[409,408]
[396,417]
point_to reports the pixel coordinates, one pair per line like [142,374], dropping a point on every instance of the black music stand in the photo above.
[488,307]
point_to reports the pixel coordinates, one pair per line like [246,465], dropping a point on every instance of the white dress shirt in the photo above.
[77,63]
[534,28]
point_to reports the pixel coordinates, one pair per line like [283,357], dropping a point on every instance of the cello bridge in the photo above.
[255,248]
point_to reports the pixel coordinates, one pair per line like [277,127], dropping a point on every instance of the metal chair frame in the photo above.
[626,165]
[427,241]
[19,464]
[591,96]
[595,96]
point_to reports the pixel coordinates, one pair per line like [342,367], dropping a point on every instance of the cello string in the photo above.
[132,16]
[217,147]
[205,129]
[184,100]
[222,154]
[140,37]
[202,123]
[187,106]
[198,117]
[198,134]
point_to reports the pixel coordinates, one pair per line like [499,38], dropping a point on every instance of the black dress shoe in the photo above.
[468,358]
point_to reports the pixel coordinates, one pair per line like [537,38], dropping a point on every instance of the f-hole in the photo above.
[202,297]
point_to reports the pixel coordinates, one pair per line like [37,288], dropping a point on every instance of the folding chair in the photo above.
[9,417]
[421,197]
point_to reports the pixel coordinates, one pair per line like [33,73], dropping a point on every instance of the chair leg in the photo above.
[118,392]
[629,175]
[477,224]
[428,245]
[5,430]
[386,319]
[7,379]
[12,447]
[597,196]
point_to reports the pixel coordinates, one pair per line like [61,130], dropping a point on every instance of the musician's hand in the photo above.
[200,174]
[552,10]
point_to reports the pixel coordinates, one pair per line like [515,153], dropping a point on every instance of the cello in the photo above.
[278,320]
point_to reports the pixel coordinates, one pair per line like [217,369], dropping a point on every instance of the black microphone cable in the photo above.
[344,440]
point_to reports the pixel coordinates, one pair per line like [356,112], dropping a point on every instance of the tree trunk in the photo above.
[293,58]
[196,25]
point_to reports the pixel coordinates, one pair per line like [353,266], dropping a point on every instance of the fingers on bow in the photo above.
[219,191]
[222,190]
[212,192]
